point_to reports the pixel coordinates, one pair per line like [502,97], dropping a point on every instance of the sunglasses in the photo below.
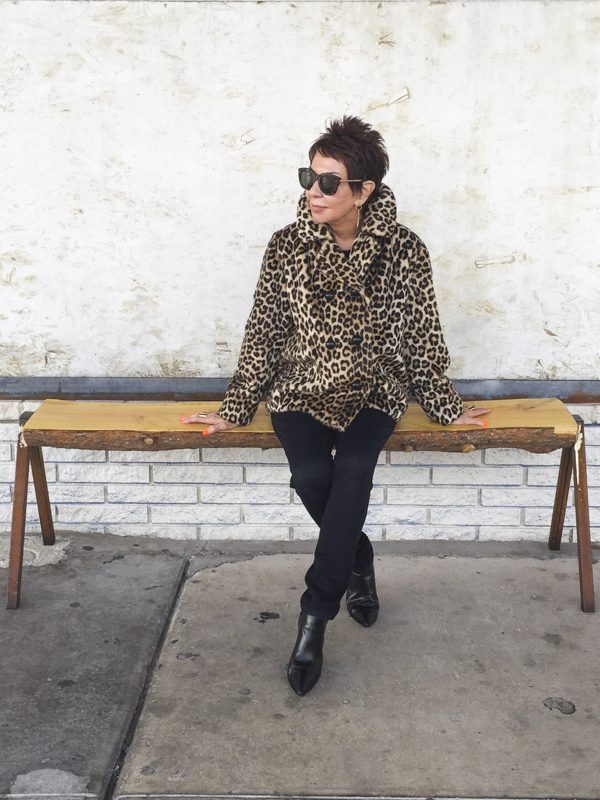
[328,181]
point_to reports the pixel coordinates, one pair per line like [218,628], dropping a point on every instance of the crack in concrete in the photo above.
[137,711]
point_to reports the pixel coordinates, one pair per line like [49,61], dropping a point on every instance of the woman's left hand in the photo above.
[470,416]
[210,418]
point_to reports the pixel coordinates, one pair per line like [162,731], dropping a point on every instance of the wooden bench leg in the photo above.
[17,538]
[560,498]
[582,518]
[41,493]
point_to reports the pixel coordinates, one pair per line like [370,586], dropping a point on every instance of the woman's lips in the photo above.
[317,209]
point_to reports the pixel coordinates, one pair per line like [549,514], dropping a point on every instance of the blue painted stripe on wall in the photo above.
[32,388]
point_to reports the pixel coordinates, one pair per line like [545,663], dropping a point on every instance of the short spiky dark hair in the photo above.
[358,146]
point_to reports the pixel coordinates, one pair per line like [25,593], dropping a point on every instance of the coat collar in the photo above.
[379,219]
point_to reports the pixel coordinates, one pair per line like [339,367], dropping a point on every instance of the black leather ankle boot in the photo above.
[304,668]
[361,596]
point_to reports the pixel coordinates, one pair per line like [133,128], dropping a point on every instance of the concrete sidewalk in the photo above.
[144,668]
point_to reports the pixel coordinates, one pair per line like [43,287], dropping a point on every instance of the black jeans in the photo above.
[335,492]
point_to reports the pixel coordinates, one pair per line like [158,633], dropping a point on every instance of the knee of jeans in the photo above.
[310,476]
[356,469]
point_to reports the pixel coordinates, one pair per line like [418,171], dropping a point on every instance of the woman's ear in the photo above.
[367,189]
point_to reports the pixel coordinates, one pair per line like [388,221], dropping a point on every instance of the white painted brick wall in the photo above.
[540,516]
[57,454]
[519,496]
[159,457]
[274,495]
[284,515]
[414,532]
[506,534]
[245,532]
[463,459]
[196,514]
[151,493]
[428,496]
[243,455]
[276,474]
[522,457]
[103,473]
[592,432]
[473,476]
[245,493]
[396,515]
[197,473]
[540,476]
[99,513]
[476,515]
[73,493]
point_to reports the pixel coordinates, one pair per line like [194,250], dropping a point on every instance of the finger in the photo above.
[199,416]
[466,419]
[211,429]
[473,420]
[477,411]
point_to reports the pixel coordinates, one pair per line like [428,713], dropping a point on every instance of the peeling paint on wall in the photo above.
[480,263]
[168,365]
[37,357]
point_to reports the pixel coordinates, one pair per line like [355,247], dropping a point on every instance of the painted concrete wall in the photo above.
[148,150]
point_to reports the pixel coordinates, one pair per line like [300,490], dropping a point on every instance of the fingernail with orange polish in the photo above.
[205,432]
[485,423]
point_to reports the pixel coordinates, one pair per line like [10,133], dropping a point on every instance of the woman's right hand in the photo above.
[211,418]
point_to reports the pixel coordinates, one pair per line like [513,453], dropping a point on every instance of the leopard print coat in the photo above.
[329,334]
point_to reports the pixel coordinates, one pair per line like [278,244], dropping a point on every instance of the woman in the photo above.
[344,324]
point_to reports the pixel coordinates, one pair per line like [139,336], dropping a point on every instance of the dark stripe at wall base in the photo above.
[106,388]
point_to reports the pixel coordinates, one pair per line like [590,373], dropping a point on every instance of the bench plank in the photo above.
[538,425]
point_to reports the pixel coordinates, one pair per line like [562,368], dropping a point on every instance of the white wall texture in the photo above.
[149,149]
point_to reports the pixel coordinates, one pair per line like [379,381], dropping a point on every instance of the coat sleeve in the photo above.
[425,353]
[267,330]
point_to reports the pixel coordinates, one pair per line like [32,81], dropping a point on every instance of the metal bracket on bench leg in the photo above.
[582,516]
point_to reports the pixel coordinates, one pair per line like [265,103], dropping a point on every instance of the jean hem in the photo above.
[319,612]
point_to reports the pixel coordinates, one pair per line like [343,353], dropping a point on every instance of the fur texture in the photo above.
[329,334]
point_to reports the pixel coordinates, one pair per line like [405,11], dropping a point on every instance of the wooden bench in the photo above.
[538,426]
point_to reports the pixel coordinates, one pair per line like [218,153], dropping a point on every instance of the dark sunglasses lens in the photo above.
[307,177]
[328,183]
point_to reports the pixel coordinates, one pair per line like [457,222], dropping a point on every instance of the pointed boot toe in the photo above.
[364,615]
[306,661]
[303,677]
[361,597]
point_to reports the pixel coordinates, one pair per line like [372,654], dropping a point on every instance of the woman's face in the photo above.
[332,209]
